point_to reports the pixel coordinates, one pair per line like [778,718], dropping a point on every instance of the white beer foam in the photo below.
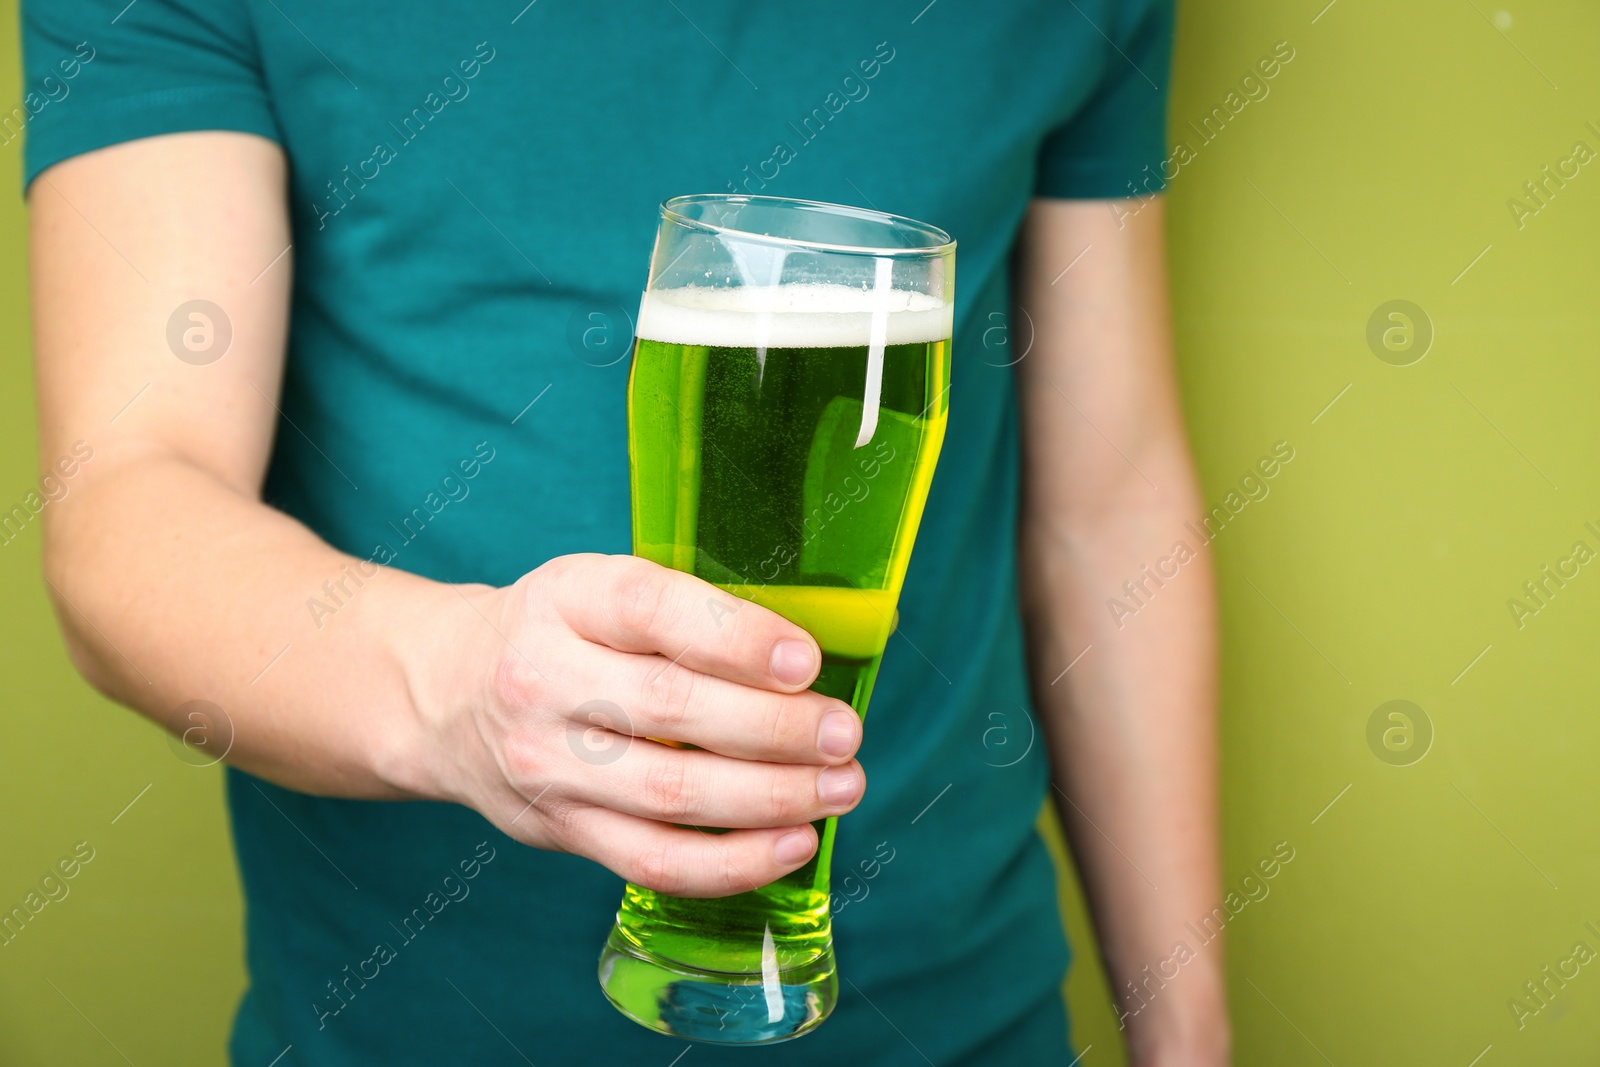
[809,315]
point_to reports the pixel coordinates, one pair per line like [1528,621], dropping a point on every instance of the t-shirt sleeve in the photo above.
[98,73]
[1121,126]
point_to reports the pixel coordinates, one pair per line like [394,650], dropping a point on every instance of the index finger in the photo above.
[634,605]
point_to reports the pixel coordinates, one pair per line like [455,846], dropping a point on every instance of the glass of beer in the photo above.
[786,407]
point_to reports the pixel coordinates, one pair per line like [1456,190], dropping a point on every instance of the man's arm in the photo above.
[1108,484]
[174,582]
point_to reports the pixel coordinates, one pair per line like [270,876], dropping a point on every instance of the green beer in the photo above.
[747,472]
[786,407]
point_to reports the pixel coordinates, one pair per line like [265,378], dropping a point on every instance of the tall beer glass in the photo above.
[786,407]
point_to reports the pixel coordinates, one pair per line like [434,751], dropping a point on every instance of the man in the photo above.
[334,293]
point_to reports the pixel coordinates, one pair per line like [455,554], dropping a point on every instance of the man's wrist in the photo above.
[1186,1025]
[434,634]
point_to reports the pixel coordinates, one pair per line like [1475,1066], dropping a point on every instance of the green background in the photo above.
[1379,568]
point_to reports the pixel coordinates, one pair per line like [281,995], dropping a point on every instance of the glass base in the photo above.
[715,1006]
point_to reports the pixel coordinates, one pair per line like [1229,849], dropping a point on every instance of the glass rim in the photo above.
[941,243]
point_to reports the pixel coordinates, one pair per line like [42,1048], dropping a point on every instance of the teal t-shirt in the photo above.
[474,191]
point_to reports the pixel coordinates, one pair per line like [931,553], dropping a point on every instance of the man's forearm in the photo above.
[173,582]
[1107,488]
[173,586]
[1131,727]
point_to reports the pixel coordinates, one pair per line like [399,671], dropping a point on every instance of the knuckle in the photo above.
[515,684]
[562,573]
[523,764]
[546,577]
[670,692]
[737,877]
[638,599]
[785,803]
[544,589]
[667,791]
[783,724]
[659,866]
[560,818]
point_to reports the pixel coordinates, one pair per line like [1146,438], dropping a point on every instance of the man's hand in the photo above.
[590,664]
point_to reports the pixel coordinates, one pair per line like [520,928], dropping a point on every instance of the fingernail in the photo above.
[793,662]
[837,736]
[838,785]
[793,847]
